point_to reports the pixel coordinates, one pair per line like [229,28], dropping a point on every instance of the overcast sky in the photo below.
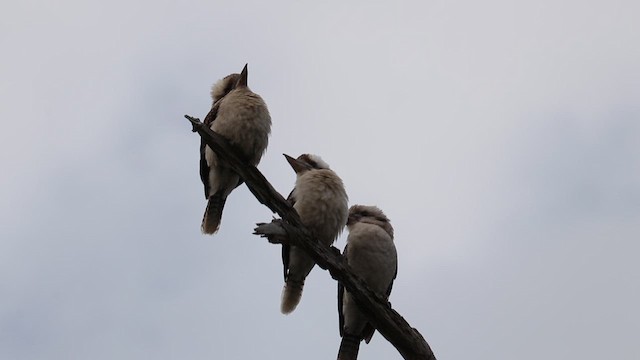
[501,138]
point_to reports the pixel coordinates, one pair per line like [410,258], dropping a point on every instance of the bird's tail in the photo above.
[213,213]
[291,294]
[349,347]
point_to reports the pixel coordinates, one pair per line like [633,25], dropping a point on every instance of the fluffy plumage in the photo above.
[242,117]
[321,201]
[371,254]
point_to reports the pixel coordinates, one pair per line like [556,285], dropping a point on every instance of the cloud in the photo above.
[500,139]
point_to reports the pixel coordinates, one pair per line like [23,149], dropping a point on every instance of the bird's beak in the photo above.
[297,165]
[242,80]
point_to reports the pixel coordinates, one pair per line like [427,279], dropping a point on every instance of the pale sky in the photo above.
[501,138]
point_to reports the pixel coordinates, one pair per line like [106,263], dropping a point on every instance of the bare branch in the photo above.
[407,340]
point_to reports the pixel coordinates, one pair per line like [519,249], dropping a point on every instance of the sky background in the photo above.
[501,138]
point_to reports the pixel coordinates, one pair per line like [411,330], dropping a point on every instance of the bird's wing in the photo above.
[367,332]
[391,283]
[369,329]
[286,247]
[204,167]
[213,113]
[340,315]
[291,199]
[341,296]
[285,260]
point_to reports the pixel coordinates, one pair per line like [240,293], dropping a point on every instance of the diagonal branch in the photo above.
[407,340]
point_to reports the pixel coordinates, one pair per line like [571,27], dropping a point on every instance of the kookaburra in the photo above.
[321,201]
[371,255]
[242,118]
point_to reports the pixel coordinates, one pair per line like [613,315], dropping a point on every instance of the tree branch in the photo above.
[407,340]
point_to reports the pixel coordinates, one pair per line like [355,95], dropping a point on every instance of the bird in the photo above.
[319,197]
[242,118]
[371,254]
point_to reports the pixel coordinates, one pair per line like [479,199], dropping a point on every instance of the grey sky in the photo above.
[501,138]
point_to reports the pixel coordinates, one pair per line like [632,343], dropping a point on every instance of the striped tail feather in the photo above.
[213,213]
[349,347]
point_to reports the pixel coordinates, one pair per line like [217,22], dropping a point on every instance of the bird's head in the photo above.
[230,82]
[306,162]
[371,215]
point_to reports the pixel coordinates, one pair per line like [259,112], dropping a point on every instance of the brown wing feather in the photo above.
[341,296]
[204,167]
[285,248]
[368,331]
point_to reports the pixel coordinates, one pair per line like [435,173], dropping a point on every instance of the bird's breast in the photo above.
[321,202]
[244,120]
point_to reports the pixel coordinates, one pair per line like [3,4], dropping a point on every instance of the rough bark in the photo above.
[406,339]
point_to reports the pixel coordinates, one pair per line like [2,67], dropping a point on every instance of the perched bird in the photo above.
[241,117]
[321,201]
[371,254]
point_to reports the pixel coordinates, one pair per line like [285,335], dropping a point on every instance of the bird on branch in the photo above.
[242,118]
[371,254]
[321,201]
